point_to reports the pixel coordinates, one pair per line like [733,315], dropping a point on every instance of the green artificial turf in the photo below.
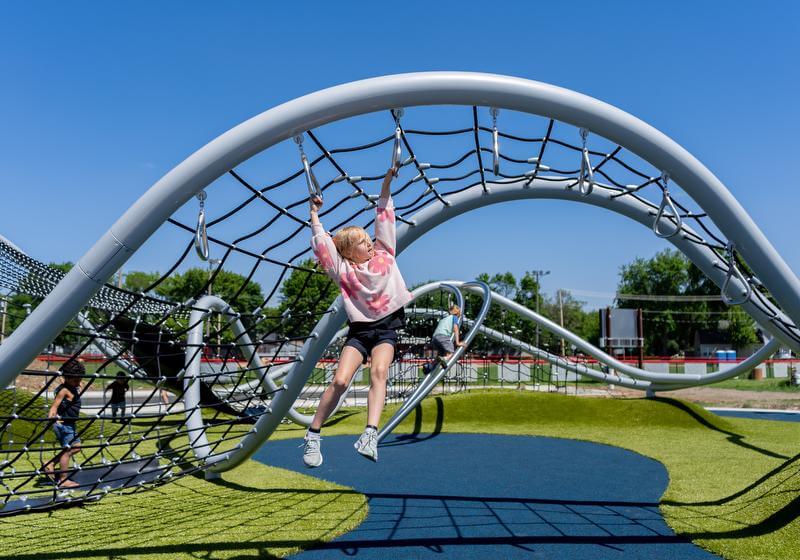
[768,384]
[255,512]
[734,484]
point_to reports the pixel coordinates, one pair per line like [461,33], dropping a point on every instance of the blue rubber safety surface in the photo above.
[759,415]
[471,496]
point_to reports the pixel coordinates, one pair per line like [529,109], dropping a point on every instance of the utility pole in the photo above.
[538,274]
[561,312]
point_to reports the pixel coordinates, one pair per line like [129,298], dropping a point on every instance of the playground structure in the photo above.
[578,156]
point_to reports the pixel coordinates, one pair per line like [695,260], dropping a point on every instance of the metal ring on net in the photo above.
[666,203]
[494,111]
[397,146]
[733,270]
[311,181]
[200,234]
[586,174]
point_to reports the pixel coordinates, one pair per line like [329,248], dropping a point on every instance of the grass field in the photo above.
[769,384]
[734,485]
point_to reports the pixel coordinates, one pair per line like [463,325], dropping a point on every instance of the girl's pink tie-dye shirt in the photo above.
[371,290]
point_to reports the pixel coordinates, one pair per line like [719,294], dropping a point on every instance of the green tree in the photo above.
[741,329]
[305,295]
[664,274]
[138,281]
[670,325]
[241,294]
[528,293]
[584,324]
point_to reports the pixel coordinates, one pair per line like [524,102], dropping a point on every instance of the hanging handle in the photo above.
[397,147]
[666,203]
[730,249]
[200,233]
[311,181]
[586,176]
[494,111]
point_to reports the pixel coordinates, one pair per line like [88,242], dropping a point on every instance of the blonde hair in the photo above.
[455,310]
[347,238]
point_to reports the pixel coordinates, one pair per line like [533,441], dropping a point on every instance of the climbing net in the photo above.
[253,220]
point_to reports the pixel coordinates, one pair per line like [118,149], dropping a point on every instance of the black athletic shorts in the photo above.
[366,336]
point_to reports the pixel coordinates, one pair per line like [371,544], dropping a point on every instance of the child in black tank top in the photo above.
[64,411]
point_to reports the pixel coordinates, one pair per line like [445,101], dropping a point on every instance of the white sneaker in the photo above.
[312,456]
[367,444]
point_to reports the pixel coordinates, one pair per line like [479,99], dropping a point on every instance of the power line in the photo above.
[648,297]
[643,297]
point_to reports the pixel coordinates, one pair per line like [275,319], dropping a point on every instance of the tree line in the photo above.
[305,294]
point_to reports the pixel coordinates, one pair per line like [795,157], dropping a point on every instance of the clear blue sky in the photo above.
[99,100]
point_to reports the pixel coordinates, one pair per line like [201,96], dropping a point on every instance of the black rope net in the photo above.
[257,225]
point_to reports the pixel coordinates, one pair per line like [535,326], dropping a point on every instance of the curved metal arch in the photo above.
[654,379]
[191,397]
[385,93]
[433,88]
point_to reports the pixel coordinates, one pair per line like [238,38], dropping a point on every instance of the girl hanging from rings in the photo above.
[374,294]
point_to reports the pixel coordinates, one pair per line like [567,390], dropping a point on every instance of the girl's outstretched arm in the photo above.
[315,204]
[386,191]
[385,235]
[321,243]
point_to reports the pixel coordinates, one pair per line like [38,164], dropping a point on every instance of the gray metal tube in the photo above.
[610,361]
[194,419]
[430,380]
[640,381]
